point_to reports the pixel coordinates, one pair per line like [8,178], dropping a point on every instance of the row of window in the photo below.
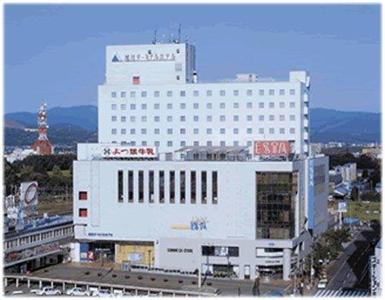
[209,118]
[209,105]
[39,237]
[208,131]
[157,188]
[208,93]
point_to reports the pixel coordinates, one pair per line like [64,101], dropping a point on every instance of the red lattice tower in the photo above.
[42,146]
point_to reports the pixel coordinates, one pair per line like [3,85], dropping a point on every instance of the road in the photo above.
[225,287]
[351,268]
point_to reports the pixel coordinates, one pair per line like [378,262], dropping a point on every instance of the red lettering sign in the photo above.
[272,148]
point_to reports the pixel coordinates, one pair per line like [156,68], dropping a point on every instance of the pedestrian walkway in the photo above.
[342,293]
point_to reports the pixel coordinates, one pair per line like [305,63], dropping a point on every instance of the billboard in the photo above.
[128,152]
[28,193]
[272,148]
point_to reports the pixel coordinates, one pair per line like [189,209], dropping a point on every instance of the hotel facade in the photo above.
[194,176]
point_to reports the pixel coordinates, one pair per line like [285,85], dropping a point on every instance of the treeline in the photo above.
[53,173]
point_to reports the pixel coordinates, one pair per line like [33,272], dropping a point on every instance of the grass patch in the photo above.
[365,211]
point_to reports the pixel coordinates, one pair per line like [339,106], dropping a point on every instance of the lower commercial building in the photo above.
[214,209]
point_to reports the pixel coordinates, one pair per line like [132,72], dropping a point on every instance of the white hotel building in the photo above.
[174,182]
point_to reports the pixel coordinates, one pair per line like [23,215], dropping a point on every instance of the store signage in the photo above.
[196,224]
[128,152]
[28,253]
[144,57]
[103,234]
[272,148]
[179,250]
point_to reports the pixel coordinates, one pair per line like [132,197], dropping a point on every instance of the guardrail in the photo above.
[18,279]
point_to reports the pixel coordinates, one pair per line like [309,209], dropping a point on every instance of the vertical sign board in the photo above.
[310,194]
[272,148]
[342,207]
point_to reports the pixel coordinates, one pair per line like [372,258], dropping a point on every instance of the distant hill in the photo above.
[84,116]
[79,123]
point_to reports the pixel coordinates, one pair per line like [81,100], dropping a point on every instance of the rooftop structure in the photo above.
[42,146]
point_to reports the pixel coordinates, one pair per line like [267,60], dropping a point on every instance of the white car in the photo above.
[47,291]
[322,284]
[103,293]
[76,291]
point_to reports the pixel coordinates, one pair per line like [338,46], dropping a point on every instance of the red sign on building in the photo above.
[272,148]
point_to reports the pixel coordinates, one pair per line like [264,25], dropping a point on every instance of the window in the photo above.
[261,118]
[143,131]
[282,117]
[222,118]
[236,105]
[169,118]
[172,186]
[281,104]
[249,118]
[193,187]
[182,93]
[222,93]
[157,143]
[235,92]
[182,118]
[196,131]
[196,93]
[196,105]
[183,105]
[292,130]
[249,92]
[135,80]
[123,131]
[292,117]
[156,131]
[282,92]
[141,186]
[249,105]
[169,143]
[151,186]
[144,94]
[182,186]
[113,131]
[209,118]
[249,130]
[130,186]
[261,92]
[196,118]
[204,187]
[261,105]
[132,94]
[236,118]
[292,91]
[196,143]
[83,212]
[183,143]
[123,94]
[132,118]
[282,130]
[132,131]
[209,105]
[209,143]
[183,131]
[271,92]
[82,195]
[292,104]
[214,185]
[120,186]
[113,106]
[271,117]
[271,130]
[209,131]
[161,186]
[222,131]
[209,93]
[123,106]
[144,143]
[271,104]
[113,118]
[132,106]
[156,118]
[144,106]
[144,118]
[113,94]
[169,93]
[169,131]
[156,94]
[235,130]
[249,143]
[222,105]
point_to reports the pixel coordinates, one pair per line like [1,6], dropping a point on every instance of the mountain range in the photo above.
[69,125]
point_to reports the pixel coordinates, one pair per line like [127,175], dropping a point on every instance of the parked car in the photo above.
[103,293]
[322,284]
[76,291]
[47,291]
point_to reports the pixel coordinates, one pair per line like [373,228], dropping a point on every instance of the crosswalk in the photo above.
[342,293]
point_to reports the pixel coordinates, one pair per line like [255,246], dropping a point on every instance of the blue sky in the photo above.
[56,52]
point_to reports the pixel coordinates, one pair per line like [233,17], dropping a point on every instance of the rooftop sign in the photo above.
[128,152]
[144,57]
[272,148]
